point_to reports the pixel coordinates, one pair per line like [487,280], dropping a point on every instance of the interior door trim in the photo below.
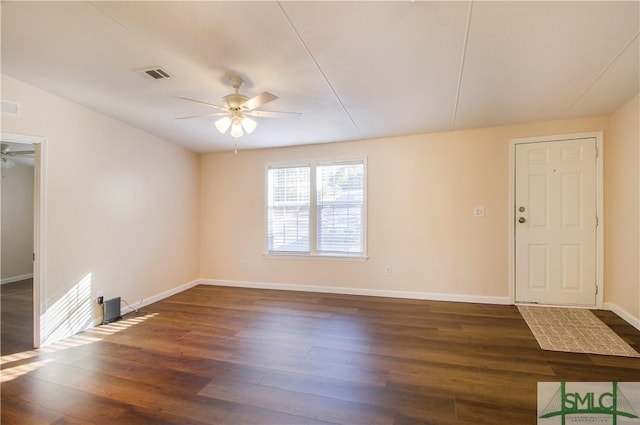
[598,135]
[39,230]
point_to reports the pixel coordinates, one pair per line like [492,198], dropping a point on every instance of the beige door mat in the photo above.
[573,330]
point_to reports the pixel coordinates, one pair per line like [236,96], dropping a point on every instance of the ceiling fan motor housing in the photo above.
[233,101]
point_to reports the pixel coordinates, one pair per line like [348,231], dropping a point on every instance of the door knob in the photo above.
[522,220]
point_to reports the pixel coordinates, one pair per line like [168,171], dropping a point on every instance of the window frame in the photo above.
[313,210]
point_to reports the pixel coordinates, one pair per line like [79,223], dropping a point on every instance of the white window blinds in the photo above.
[288,207]
[340,208]
[329,222]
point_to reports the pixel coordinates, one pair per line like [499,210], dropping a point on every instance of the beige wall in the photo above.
[122,208]
[622,211]
[17,223]
[421,193]
[135,216]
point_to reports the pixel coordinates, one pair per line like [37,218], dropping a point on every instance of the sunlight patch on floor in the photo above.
[120,325]
[90,336]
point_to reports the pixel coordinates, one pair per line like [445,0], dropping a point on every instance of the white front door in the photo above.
[555,222]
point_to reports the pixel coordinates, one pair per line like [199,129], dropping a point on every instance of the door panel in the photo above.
[538,267]
[538,198]
[555,228]
[572,200]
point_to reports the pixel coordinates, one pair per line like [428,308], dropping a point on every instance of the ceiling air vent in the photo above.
[155,73]
[10,108]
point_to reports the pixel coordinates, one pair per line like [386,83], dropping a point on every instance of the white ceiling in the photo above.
[355,70]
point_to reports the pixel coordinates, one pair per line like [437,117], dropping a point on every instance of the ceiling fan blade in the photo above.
[273,114]
[259,100]
[19,153]
[212,114]
[211,105]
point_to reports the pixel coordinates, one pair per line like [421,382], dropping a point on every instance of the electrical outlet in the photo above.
[478,211]
[387,270]
[243,264]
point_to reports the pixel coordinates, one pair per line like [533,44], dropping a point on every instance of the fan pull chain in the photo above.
[235,145]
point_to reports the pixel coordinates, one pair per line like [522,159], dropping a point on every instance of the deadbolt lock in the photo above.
[521,209]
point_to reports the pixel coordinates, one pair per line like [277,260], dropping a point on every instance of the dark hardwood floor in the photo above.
[213,355]
[16,321]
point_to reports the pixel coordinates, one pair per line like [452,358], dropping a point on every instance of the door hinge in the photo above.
[34,256]
[596,289]
[597,152]
[597,221]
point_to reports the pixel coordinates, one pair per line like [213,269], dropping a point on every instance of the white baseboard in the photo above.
[625,315]
[136,305]
[360,291]
[432,296]
[16,278]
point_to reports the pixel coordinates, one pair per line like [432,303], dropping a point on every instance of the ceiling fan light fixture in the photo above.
[248,124]
[234,108]
[223,124]
[236,129]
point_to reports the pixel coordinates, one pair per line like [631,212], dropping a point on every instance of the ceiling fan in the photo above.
[6,155]
[237,108]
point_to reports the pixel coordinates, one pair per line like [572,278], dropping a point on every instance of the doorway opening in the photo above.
[23,242]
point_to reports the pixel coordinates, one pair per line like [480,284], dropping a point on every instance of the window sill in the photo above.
[288,256]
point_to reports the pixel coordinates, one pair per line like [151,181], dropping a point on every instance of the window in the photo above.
[340,208]
[330,222]
[288,209]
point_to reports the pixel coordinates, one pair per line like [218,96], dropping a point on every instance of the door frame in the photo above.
[598,135]
[39,228]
